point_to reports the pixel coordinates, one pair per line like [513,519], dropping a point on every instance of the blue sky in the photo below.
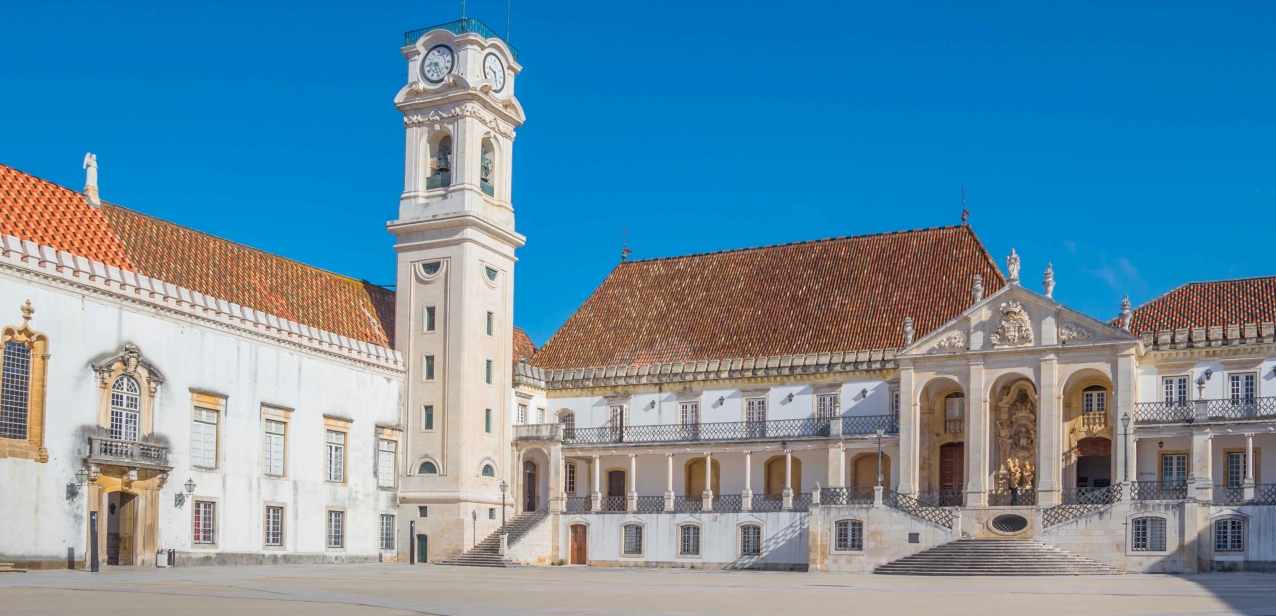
[1132,145]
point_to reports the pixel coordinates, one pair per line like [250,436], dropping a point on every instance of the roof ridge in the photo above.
[241,245]
[798,243]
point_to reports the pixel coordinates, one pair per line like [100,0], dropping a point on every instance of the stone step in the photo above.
[9,568]
[487,552]
[995,557]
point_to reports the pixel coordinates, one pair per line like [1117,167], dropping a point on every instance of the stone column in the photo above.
[631,497]
[669,482]
[746,497]
[788,479]
[1249,466]
[1203,464]
[1134,457]
[707,495]
[977,441]
[1049,430]
[837,466]
[1126,381]
[556,495]
[596,496]
[909,430]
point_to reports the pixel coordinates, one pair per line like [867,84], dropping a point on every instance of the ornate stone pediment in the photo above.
[953,341]
[1069,332]
[1014,328]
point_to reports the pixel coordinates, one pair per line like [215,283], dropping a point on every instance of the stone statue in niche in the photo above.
[1017,439]
[486,170]
[1015,328]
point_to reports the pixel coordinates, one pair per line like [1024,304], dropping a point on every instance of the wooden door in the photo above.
[952,459]
[580,544]
[530,500]
[615,488]
[128,520]
[422,549]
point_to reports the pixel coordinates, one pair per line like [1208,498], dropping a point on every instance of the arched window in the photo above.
[441,165]
[1147,534]
[751,540]
[633,540]
[427,468]
[955,413]
[488,471]
[1229,535]
[689,540]
[848,536]
[568,419]
[487,169]
[126,406]
[25,359]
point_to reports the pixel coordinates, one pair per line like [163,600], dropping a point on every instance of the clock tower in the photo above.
[455,241]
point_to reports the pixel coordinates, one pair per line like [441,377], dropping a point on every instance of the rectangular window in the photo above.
[689,540]
[273,448]
[429,318]
[1175,390]
[15,390]
[540,416]
[689,413]
[336,529]
[385,463]
[489,323]
[616,416]
[488,377]
[487,420]
[1242,388]
[522,414]
[755,409]
[633,540]
[429,367]
[750,540]
[204,531]
[1236,463]
[895,403]
[336,466]
[422,511]
[826,406]
[1148,535]
[204,438]
[491,513]
[1229,536]
[387,532]
[274,526]
[427,419]
[1173,469]
[848,536]
[1094,402]
[569,477]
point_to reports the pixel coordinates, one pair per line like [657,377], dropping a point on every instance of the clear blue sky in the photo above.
[1134,145]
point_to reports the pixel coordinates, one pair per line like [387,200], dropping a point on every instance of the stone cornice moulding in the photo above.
[705,369]
[1211,337]
[28,256]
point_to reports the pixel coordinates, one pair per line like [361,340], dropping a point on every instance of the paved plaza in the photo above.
[391,589]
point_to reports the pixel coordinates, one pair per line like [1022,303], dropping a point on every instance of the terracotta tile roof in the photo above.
[48,214]
[840,294]
[43,212]
[523,345]
[1203,304]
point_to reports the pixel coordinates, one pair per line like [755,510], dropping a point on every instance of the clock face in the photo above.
[437,63]
[494,71]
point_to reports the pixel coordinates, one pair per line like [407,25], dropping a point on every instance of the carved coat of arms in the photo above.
[1014,328]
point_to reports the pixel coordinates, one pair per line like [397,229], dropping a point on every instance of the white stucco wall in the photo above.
[784,540]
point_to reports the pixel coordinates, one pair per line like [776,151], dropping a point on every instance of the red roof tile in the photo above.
[1202,304]
[524,348]
[43,212]
[840,294]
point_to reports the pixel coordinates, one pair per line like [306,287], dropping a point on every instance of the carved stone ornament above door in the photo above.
[1014,328]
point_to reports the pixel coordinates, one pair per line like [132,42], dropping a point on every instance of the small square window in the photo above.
[914,537]
[491,513]
[1148,535]
[422,511]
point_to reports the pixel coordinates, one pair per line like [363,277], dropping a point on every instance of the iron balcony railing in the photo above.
[942,516]
[651,504]
[1264,494]
[728,502]
[841,497]
[615,504]
[942,498]
[1013,497]
[1091,496]
[688,504]
[768,502]
[1228,495]
[576,504]
[461,26]
[1158,490]
[129,453]
[809,427]
[1242,408]
[802,501]
[1080,502]
[1163,412]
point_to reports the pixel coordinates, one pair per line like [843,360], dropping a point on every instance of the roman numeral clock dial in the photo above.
[437,63]
[494,71]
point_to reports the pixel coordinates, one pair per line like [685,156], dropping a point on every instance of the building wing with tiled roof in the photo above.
[840,294]
[40,211]
[1205,304]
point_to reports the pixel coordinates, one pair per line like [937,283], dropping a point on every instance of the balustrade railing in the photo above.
[768,502]
[651,504]
[1094,420]
[942,516]
[727,502]
[954,425]
[468,25]
[1241,408]
[942,498]
[809,427]
[576,504]
[1158,490]
[842,497]
[1228,495]
[1013,497]
[1163,412]
[688,504]
[132,453]
[539,432]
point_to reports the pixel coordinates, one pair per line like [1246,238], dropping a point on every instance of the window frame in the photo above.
[491,316]
[742,532]
[640,528]
[268,457]
[328,455]
[828,405]
[427,417]
[1145,533]
[430,316]
[124,411]
[1175,390]
[1236,535]
[487,374]
[387,536]
[431,462]
[341,528]
[31,444]
[681,542]
[487,421]
[569,477]
[1236,387]
[210,519]
[266,526]
[520,418]
[854,536]
[393,457]
[198,411]
[428,369]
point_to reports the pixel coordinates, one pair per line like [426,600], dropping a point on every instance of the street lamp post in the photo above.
[1125,444]
[880,432]
[504,487]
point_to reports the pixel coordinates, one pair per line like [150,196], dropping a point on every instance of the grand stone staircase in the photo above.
[995,557]
[487,552]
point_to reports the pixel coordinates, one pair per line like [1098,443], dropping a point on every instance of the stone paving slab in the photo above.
[393,589]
